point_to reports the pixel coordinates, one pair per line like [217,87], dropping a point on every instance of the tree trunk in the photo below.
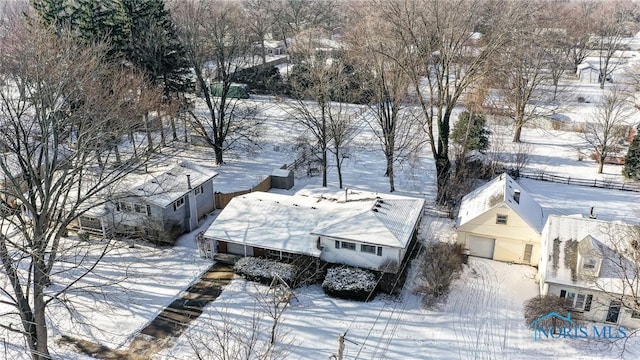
[339,167]
[600,165]
[443,166]
[148,128]
[217,148]
[324,144]
[174,132]
[39,317]
[389,172]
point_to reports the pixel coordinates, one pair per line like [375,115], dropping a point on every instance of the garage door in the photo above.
[481,246]
[238,249]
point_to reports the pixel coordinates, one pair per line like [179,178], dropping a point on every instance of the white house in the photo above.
[588,72]
[362,229]
[501,221]
[593,264]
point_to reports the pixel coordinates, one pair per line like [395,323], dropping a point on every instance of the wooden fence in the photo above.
[604,184]
[222,199]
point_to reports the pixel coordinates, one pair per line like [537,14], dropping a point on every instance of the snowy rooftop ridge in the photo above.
[167,186]
[501,190]
[566,236]
[293,223]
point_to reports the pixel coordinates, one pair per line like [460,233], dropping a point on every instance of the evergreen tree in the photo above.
[631,168]
[90,20]
[470,132]
[154,46]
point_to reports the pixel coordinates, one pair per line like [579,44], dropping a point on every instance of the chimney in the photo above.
[189,181]
[516,195]
[592,215]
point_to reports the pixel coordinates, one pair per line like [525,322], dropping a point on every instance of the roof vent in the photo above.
[374,210]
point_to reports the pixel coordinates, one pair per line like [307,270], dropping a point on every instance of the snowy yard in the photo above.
[482,317]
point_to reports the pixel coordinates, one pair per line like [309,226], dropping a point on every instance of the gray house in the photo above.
[159,206]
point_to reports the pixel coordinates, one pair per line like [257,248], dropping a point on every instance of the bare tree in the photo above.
[608,126]
[64,110]
[217,44]
[344,126]
[612,26]
[259,22]
[247,336]
[443,58]
[575,17]
[391,119]
[521,73]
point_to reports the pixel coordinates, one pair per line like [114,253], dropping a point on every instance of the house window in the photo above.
[348,245]
[124,206]
[379,250]
[199,190]
[337,244]
[580,302]
[142,209]
[178,203]
[589,264]
[368,249]
[501,219]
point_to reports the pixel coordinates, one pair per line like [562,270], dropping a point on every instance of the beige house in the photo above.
[501,221]
[593,264]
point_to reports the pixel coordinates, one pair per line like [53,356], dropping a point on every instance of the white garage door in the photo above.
[238,249]
[481,246]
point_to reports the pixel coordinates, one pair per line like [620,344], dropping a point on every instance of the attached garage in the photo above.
[481,246]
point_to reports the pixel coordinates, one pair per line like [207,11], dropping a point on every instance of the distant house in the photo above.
[588,72]
[591,263]
[273,47]
[501,221]
[166,204]
[355,228]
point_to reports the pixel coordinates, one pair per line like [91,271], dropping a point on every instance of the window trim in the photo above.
[371,249]
[351,245]
[199,190]
[178,203]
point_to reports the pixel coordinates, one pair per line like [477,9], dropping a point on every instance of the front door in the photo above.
[528,250]
[614,312]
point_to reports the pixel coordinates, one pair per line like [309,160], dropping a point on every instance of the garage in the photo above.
[481,246]
[239,249]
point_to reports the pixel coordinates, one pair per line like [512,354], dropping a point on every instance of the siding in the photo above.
[357,257]
[510,238]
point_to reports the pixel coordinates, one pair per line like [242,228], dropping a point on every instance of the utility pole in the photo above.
[340,346]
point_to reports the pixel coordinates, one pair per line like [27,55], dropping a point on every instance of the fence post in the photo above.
[569,180]
[595,182]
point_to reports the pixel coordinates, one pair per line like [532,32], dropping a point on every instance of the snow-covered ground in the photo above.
[482,317]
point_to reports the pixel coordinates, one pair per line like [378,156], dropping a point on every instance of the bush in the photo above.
[440,265]
[349,283]
[631,168]
[83,235]
[541,305]
[263,270]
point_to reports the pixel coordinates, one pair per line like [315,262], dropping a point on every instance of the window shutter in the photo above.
[563,293]
[587,303]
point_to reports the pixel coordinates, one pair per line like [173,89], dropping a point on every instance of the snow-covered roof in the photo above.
[501,190]
[293,223]
[567,236]
[164,188]
[281,172]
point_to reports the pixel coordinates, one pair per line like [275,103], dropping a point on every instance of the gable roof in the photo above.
[293,223]
[566,237]
[501,190]
[388,222]
[163,188]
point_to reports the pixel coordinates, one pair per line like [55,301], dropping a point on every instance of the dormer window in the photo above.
[590,264]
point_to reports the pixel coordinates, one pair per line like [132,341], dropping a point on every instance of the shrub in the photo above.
[349,283]
[541,305]
[440,265]
[263,270]
[83,235]
[631,168]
